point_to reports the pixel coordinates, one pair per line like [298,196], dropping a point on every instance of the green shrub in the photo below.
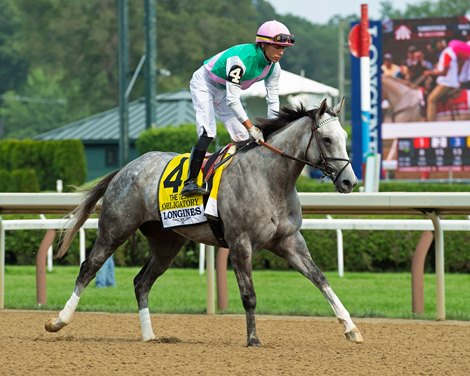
[69,163]
[49,160]
[5,180]
[176,139]
[24,180]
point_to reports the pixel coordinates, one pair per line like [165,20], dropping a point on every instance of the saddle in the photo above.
[212,161]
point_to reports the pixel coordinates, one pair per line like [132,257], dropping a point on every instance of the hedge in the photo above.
[19,180]
[30,166]
[177,139]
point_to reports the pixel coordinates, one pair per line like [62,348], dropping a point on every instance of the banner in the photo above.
[375,140]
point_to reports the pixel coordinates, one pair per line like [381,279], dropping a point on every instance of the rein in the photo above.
[323,166]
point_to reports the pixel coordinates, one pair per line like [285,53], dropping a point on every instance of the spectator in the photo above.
[388,67]
[403,73]
[434,49]
[105,276]
[419,66]
[410,55]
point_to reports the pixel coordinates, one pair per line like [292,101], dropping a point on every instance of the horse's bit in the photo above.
[323,166]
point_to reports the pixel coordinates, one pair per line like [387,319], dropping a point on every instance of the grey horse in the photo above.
[257,202]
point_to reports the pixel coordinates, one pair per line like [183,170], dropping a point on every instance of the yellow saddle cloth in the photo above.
[178,210]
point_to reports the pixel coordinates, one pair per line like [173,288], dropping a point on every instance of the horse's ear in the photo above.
[321,109]
[338,107]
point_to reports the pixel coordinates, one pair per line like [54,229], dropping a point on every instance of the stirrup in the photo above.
[192,189]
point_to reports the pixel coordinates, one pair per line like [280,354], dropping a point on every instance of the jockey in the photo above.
[216,88]
[446,71]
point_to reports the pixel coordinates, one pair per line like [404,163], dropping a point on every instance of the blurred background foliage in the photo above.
[59,59]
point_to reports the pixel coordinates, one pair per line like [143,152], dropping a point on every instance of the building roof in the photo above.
[172,109]
[291,83]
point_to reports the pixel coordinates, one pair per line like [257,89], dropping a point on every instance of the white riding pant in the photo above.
[209,99]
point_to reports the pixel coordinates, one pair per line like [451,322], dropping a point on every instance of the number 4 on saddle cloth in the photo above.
[177,210]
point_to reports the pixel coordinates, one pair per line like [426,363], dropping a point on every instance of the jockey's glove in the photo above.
[256,133]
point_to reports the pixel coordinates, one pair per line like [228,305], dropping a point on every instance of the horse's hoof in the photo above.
[54,325]
[149,338]
[253,342]
[354,335]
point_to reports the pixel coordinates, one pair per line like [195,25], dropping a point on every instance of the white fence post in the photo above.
[339,249]
[49,251]
[49,259]
[202,250]
[82,245]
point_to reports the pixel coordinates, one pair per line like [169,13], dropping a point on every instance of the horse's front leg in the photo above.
[240,256]
[295,251]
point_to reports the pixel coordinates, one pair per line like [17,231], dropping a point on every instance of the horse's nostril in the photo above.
[347,183]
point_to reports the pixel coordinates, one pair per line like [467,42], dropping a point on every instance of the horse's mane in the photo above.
[287,115]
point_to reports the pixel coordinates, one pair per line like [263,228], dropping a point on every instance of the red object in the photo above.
[359,37]
[364,37]
[353,40]
[422,142]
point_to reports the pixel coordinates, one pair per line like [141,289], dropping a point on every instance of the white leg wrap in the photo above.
[340,312]
[65,316]
[146,325]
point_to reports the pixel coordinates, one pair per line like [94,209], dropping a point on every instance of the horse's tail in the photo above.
[83,212]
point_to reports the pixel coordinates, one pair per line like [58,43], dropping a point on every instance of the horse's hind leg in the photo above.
[164,246]
[104,247]
[295,251]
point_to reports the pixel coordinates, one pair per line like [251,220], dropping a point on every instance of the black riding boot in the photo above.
[190,186]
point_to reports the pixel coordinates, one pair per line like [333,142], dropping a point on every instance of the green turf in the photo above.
[278,292]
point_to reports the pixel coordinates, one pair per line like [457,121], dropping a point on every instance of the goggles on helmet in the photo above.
[279,38]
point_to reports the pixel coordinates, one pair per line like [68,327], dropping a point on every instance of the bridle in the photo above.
[323,165]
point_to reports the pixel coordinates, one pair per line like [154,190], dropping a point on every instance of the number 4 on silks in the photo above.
[235,74]
[173,180]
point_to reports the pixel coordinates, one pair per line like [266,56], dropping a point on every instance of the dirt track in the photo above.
[102,344]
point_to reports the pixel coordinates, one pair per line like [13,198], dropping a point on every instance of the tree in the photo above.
[13,65]
[51,49]
[38,108]
[425,9]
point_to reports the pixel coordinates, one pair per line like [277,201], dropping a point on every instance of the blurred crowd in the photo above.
[440,69]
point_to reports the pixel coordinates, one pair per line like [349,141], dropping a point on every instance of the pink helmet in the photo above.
[274,32]
[461,48]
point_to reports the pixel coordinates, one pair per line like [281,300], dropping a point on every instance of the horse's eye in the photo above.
[327,140]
